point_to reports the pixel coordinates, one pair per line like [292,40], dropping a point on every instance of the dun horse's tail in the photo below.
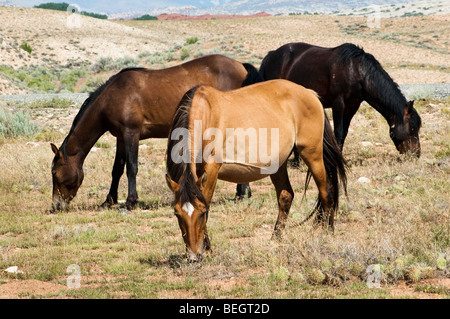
[335,166]
[253,75]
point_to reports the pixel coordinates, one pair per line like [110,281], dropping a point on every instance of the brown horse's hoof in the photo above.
[131,205]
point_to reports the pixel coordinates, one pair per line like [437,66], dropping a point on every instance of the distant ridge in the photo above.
[284,7]
[177,16]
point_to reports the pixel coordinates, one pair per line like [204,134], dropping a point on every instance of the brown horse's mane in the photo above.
[181,172]
[376,78]
[91,98]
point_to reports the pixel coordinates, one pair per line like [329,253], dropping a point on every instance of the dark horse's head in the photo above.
[404,132]
[67,178]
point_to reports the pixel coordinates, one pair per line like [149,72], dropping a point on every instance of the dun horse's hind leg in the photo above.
[314,161]
[117,172]
[285,196]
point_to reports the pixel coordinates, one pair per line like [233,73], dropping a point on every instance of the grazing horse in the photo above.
[293,115]
[343,77]
[133,105]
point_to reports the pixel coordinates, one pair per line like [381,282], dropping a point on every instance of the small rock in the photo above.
[14,270]
[364,180]
[34,144]
[366,144]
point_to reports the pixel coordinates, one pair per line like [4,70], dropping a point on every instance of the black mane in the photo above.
[181,173]
[378,83]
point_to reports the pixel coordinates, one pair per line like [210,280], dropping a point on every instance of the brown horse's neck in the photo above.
[83,135]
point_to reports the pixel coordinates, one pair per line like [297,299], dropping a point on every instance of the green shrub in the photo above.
[191,40]
[108,64]
[26,47]
[146,17]
[185,53]
[16,124]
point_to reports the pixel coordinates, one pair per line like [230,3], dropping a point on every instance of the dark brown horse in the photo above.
[343,77]
[133,105]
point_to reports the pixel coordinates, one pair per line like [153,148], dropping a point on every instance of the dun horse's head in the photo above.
[67,178]
[405,132]
[191,211]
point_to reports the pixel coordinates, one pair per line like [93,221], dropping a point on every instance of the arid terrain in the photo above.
[398,221]
[412,49]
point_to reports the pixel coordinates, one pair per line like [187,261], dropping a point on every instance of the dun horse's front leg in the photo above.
[207,184]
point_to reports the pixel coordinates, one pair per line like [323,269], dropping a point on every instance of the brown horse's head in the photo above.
[67,178]
[191,211]
[405,133]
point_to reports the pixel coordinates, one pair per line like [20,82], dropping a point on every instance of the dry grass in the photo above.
[399,221]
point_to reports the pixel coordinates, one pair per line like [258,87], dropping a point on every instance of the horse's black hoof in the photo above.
[131,205]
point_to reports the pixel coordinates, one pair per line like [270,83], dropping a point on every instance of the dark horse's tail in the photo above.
[335,166]
[253,75]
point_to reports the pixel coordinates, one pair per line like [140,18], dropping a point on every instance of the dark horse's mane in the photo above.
[181,172]
[91,98]
[376,78]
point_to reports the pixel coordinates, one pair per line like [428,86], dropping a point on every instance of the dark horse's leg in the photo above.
[242,190]
[131,140]
[350,110]
[338,120]
[117,172]
[343,113]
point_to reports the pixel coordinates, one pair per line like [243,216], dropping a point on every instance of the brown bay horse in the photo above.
[343,77]
[133,105]
[202,149]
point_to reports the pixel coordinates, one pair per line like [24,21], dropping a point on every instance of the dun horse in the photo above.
[343,77]
[196,156]
[132,105]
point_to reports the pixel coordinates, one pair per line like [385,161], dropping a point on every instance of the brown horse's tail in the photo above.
[335,166]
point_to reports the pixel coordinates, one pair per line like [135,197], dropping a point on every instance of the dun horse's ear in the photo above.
[171,184]
[54,148]
[202,181]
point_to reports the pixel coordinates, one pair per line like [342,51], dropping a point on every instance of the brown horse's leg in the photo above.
[117,172]
[314,161]
[285,196]
[131,140]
